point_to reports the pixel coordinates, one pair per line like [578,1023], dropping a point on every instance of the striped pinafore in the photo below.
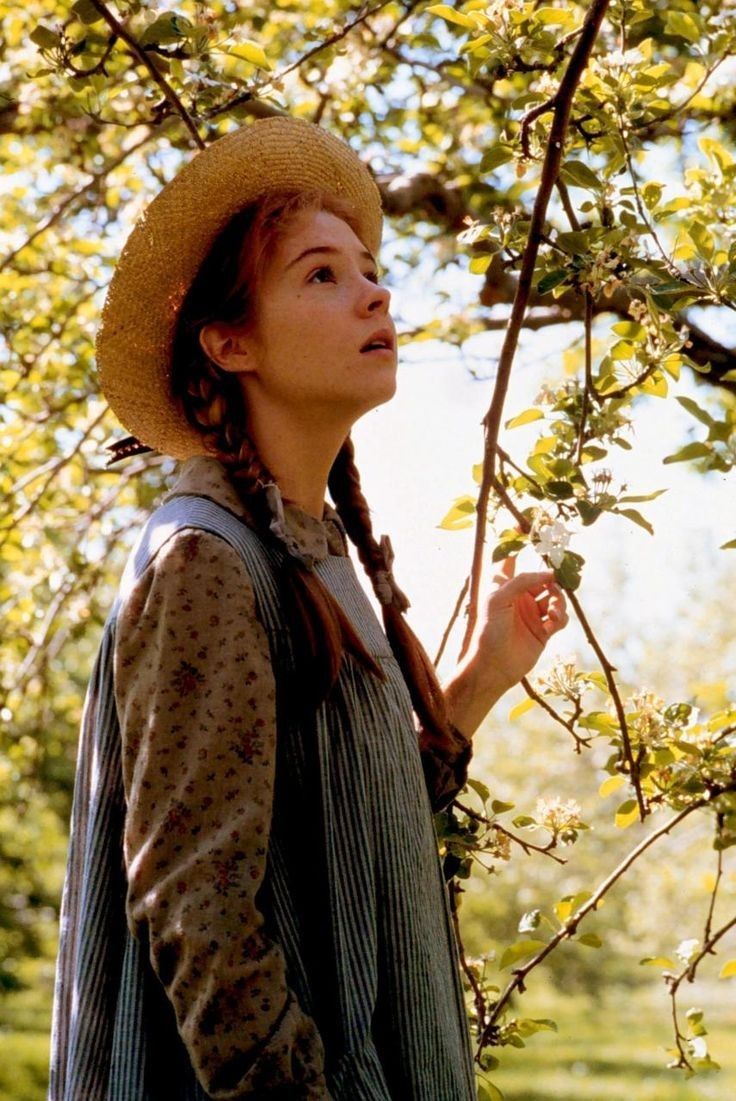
[353,888]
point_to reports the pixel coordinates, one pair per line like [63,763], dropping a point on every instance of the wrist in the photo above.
[471,693]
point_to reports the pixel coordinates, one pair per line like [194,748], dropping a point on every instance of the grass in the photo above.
[616,1050]
[24,1065]
[612,1050]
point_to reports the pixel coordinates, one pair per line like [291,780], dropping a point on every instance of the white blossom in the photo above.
[551,538]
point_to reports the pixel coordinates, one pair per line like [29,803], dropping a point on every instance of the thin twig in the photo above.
[568,724]
[452,620]
[135,47]
[674,982]
[454,890]
[608,672]
[589,389]
[526,846]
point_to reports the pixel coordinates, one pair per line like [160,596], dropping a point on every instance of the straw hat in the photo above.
[170,242]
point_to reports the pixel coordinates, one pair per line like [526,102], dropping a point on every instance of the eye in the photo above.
[320,271]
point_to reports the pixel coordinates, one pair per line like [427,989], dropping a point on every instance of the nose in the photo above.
[375,299]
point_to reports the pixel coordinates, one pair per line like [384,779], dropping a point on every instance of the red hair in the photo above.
[226,289]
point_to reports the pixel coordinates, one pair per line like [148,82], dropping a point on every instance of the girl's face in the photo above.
[319,305]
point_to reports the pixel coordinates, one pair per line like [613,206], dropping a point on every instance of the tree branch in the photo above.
[552,161]
[570,927]
[134,46]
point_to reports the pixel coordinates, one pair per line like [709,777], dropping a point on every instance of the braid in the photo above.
[419,672]
[321,630]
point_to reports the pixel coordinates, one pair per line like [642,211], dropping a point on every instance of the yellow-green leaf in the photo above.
[613,783]
[461,515]
[521,709]
[728,970]
[479,265]
[526,417]
[560,16]
[520,951]
[252,52]
[658,961]
[446,12]
[627,814]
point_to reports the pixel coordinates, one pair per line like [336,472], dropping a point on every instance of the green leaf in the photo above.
[551,279]
[168,28]
[496,156]
[683,25]
[527,1026]
[559,490]
[567,574]
[579,175]
[588,513]
[695,410]
[519,951]
[635,517]
[452,16]
[641,498]
[480,789]
[627,814]
[499,807]
[590,940]
[506,548]
[695,450]
[526,417]
[488,1092]
[86,12]
[44,37]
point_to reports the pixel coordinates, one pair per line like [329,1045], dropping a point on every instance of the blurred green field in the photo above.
[615,1049]
[612,1049]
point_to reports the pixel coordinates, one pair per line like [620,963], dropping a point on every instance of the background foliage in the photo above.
[452,108]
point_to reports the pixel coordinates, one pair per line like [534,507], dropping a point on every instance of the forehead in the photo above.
[313,229]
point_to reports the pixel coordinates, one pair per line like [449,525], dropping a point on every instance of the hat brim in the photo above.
[168,245]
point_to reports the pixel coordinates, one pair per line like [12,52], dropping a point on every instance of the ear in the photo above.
[229,346]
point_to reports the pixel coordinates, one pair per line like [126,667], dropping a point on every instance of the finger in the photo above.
[556,617]
[505,570]
[534,583]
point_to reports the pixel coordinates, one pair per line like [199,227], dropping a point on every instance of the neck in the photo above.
[299,451]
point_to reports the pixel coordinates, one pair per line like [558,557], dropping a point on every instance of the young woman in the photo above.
[254,906]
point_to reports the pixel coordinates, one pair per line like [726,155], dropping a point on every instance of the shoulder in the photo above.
[191,569]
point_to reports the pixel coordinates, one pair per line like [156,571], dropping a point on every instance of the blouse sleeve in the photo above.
[445,769]
[195,695]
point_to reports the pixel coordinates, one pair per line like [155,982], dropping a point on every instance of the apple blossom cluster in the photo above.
[557,815]
[550,537]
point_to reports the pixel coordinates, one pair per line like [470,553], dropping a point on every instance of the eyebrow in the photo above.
[328,250]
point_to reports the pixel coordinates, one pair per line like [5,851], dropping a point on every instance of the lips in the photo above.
[383,339]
